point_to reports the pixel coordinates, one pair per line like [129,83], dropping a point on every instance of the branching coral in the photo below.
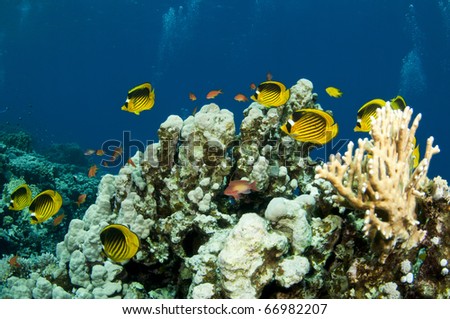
[379,179]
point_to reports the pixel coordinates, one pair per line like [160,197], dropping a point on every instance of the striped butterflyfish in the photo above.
[271,93]
[398,103]
[140,98]
[20,198]
[415,154]
[119,242]
[312,126]
[365,112]
[45,205]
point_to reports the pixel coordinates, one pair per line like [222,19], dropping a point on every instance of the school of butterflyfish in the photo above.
[45,205]
[307,125]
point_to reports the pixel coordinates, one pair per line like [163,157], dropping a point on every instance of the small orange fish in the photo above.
[240,98]
[253,86]
[58,219]
[117,152]
[13,261]
[130,161]
[212,94]
[269,76]
[192,96]
[106,163]
[89,152]
[92,171]
[81,199]
[99,152]
[236,188]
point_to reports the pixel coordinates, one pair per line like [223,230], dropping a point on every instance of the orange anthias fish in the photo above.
[240,98]
[92,171]
[81,199]
[13,261]
[212,94]
[99,152]
[253,86]
[130,161]
[192,96]
[106,163]
[236,188]
[58,219]
[117,152]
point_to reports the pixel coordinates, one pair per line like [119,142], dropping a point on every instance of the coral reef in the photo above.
[23,165]
[69,153]
[297,236]
[17,139]
[378,179]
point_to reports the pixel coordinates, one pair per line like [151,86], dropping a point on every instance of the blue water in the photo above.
[66,66]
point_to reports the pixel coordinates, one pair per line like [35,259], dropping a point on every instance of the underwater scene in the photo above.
[224,149]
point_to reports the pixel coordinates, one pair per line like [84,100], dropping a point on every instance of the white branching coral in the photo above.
[379,178]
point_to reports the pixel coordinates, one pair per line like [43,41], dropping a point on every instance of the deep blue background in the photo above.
[66,66]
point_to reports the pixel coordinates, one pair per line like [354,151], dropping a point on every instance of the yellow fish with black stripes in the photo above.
[398,103]
[20,198]
[370,109]
[45,205]
[415,154]
[365,112]
[312,126]
[140,98]
[119,243]
[271,93]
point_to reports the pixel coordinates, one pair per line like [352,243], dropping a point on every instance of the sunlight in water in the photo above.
[444,7]
[177,24]
[412,77]
[24,10]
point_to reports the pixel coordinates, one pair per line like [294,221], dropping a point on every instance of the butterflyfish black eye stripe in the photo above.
[20,197]
[45,205]
[140,98]
[311,125]
[271,93]
[119,242]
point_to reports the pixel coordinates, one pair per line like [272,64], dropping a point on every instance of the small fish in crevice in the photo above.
[13,263]
[239,187]
[81,199]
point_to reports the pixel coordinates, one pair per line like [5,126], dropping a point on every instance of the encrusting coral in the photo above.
[379,179]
